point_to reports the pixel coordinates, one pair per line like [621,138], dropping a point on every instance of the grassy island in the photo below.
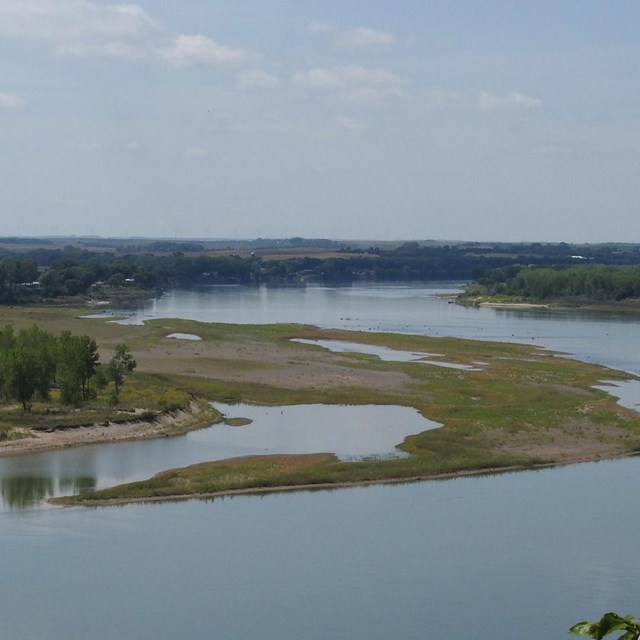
[514,406]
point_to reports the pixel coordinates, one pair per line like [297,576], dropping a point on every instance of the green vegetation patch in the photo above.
[238,422]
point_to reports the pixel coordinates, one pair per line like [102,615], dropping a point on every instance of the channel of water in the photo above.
[515,555]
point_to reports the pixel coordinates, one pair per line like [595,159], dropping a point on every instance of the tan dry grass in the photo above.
[280,364]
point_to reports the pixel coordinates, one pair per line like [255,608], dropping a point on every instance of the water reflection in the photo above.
[351,432]
[21,491]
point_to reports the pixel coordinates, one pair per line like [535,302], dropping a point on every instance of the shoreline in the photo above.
[193,416]
[622,306]
[67,501]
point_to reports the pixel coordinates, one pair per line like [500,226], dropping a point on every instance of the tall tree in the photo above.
[21,373]
[77,362]
[40,345]
[120,366]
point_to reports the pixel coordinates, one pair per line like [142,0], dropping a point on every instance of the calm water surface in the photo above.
[513,556]
[520,555]
[608,338]
[351,432]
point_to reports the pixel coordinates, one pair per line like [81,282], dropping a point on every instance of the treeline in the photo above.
[17,278]
[75,276]
[33,362]
[585,282]
[52,273]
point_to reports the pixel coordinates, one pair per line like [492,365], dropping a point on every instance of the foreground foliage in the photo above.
[609,623]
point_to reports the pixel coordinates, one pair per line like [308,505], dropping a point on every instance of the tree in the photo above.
[28,364]
[77,362]
[20,374]
[609,623]
[40,346]
[120,366]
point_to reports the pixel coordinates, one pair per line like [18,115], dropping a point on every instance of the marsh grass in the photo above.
[279,472]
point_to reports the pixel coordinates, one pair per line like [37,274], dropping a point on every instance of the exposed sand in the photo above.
[515,305]
[283,365]
[166,424]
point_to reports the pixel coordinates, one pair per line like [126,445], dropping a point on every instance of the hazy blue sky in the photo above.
[377,119]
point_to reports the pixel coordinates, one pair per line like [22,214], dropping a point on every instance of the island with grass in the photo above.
[499,405]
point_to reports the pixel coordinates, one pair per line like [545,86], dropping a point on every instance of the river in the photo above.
[513,555]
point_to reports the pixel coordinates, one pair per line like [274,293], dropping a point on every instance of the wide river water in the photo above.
[513,555]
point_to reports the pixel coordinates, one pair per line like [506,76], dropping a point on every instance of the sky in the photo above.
[482,120]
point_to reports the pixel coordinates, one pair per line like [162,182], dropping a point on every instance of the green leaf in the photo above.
[611,622]
[584,628]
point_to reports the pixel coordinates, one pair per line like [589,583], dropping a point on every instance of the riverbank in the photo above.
[111,497]
[631,306]
[196,415]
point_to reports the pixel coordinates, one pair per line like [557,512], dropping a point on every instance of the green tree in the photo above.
[77,363]
[40,347]
[20,375]
[609,623]
[120,366]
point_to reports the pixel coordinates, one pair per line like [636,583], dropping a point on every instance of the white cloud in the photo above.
[88,147]
[349,124]
[196,152]
[318,79]
[199,49]
[80,28]
[133,145]
[443,99]
[364,37]
[484,101]
[345,77]
[373,95]
[257,79]
[120,50]
[10,101]
[354,84]
[64,20]
[359,38]
[321,27]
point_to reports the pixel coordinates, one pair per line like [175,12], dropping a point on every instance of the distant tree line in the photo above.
[34,361]
[76,271]
[17,276]
[589,282]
